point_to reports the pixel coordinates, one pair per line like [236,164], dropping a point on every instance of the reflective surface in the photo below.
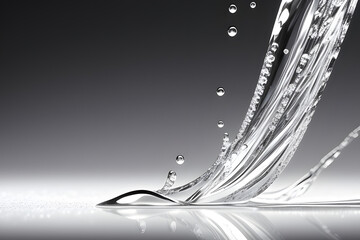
[68,217]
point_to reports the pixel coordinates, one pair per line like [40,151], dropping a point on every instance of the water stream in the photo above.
[304,44]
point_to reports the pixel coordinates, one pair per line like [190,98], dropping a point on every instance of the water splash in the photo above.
[284,101]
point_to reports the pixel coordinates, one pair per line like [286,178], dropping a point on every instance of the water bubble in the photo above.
[232,8]
[180,159]
[253,4]
[220,91]
[220,124]
[274,47]
[286,51]
[270,58]
[232,31]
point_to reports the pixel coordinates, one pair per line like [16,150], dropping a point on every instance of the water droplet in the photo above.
[286,51]
[170,180]
[232,8]
[270,58]
[220,91]
[180,159]
[274,47]
[232,31]
[220,124]
[172,176]
[226,137]
[253,4]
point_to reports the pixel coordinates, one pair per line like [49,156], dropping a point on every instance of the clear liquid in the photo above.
[232,8]
[282,106]
[220,124]
[220,91]
[232,31]
[180,159]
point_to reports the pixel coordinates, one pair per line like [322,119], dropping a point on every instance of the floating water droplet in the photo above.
[232,31]
[180,159]
[232,8]
[220,124]
[220,91]
[253,4]
[286,51]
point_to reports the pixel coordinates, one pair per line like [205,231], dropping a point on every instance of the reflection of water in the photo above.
[206,223]
[61,215]
[244,223]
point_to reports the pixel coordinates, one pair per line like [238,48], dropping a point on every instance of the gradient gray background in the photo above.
[98,98]
[113,90]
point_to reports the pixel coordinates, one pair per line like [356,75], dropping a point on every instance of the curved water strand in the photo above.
[139,198]
[301,186]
